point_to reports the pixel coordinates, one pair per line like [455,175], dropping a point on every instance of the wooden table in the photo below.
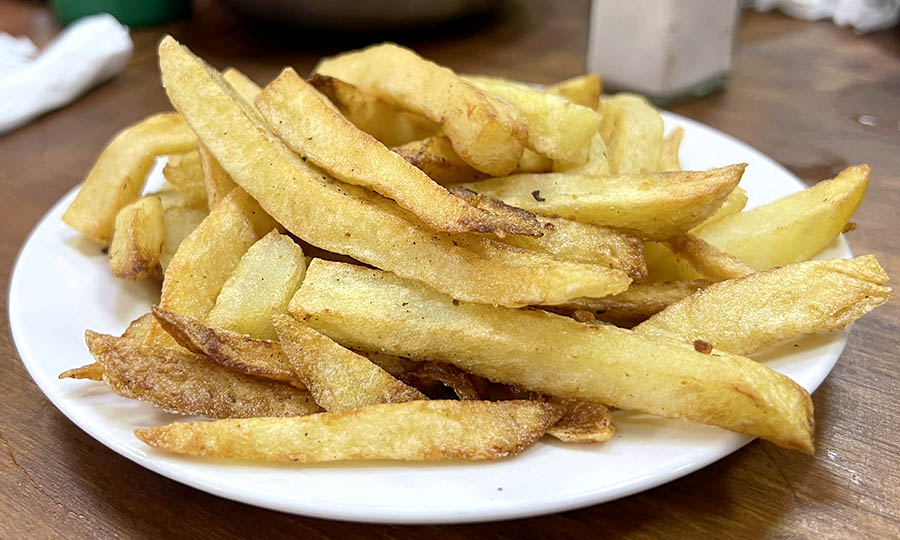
[797,92]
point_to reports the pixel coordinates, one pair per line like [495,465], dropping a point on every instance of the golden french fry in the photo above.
[705,260]
[597,163]
[265,279]
[583,422]
[633,131]
[208,256]
[338,379]
[793,228]
[217,182]
[138,240]
[411,431]
[486,132]
[310,126]
[583,90]
[118,176]
[637,304]
[570,240]
[183,382]
[348,220]
[745,315]
[532,162]
[180,218]
[734,203]
[436,157]
[651,205]
[242,84]
[381,119]
[557,128]
[553,354]
[185,172]
[668,158]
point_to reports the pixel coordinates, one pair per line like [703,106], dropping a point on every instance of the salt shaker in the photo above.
[668,50]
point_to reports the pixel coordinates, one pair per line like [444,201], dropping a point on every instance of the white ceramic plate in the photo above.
[61,285]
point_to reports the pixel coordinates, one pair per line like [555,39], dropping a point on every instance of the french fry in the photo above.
[633,131]
[486,132]
[533,162]
[118,176]
[310,126]
[597,163]
[242,84]
[411,431]
[433,379]
[743,316]
[583,90]
[634,306]
[338,379]
[138,240]
[208,256]
[651,205]
[557,128]
[90,372]
[706,260]
[180,218]
[183,382]
[217,182]
[572,241]
[583,422]
[668,158]
[265,279]
[553,354]
[185,172]
[381,119]
[345,219]
[436,157]
[734,204]
[793,228]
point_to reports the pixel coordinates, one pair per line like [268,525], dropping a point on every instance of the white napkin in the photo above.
[862,15]
[88,52]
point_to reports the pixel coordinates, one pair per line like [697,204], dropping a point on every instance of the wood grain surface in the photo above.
[797,93]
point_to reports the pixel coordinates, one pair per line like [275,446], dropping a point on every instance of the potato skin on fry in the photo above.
[583,422]
[743,316]
[187,383]
[486,132]
[411,431]
[553,354]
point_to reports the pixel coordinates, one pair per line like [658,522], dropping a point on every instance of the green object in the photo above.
[129,12]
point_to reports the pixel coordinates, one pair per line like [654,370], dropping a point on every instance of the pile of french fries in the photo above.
[393,261]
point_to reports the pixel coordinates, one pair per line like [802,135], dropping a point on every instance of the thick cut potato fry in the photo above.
[486,132]
[597,163]
[381,119]
[411,431]
[179,220]
[653,205]
[553,354]
[217,182]
[706,260]
[118,176]
[436,157]
[138,239]
[557,128]
[571,240]
[242,84]
[338,379]
[348,220]
[583,422]
[634,306]
[743,316]
[583,90]
[633,131]
[668,158]
[183,382]
[185,172]
[734,204]
[793,228]
[533,162]
[434,379]
[309,125]
[208,256]
[265,279]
